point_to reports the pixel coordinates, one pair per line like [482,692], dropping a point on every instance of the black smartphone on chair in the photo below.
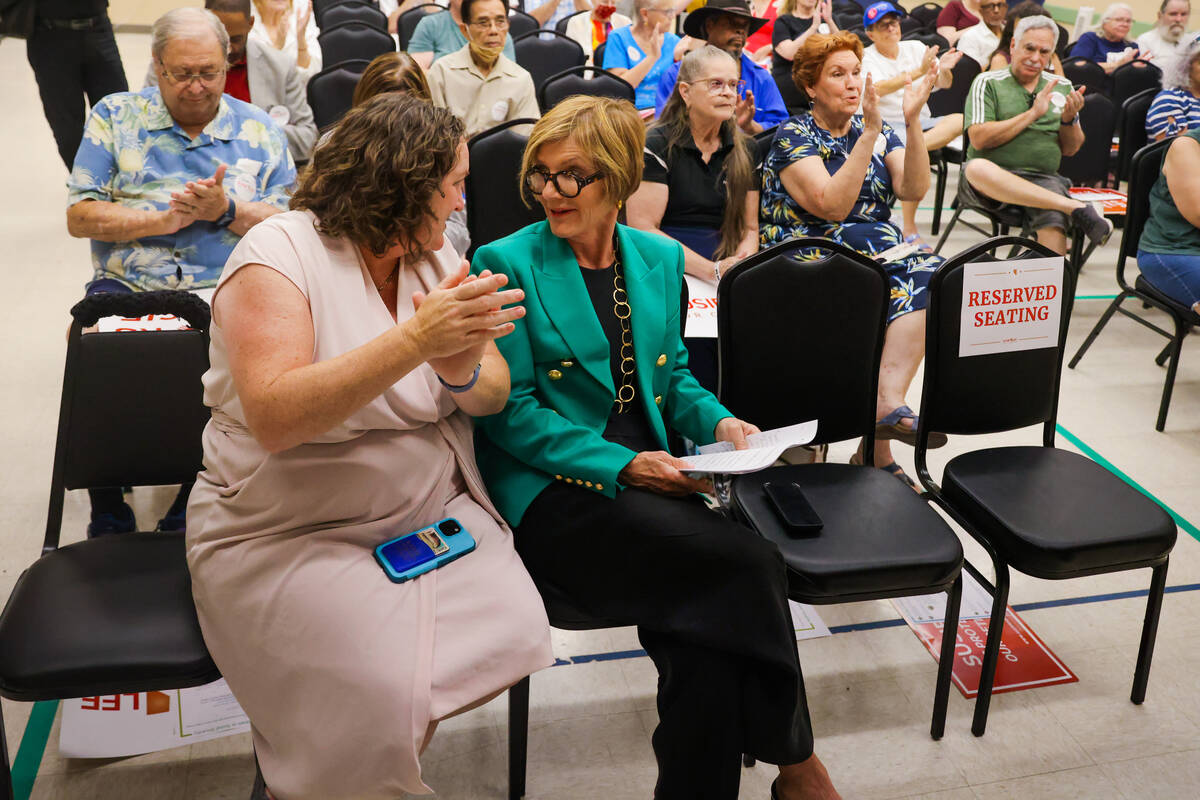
[792,507]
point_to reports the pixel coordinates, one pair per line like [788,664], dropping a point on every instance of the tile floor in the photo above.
[870,691]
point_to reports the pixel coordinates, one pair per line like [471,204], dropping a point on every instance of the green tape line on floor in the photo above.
[33,745]
[1104,462]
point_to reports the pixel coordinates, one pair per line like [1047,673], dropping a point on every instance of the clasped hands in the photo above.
[659,471]
[200,199]
[453,324]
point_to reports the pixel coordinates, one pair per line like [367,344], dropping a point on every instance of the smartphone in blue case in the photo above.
[416,553]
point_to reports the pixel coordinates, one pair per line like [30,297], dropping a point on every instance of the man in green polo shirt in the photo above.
[1021,121]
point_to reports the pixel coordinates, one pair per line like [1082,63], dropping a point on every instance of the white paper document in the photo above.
[764,449]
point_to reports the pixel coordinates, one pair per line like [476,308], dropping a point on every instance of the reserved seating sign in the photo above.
[1010,305]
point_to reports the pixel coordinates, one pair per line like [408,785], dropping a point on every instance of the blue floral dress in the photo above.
[867,228]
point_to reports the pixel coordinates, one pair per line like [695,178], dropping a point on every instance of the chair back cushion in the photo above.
[520,23]
[547,53]
[1131,129]
[353,11]
[133,408]
[953,100]
[1134,77]
[993,392]
[1090,165]
[408,21]
[801,339]
[1087,72]
[331,91]
[591,81]
[353,40]
[1146,165]
[494,205]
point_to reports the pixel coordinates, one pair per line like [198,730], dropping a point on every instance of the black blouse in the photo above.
[788,27]
[695,190]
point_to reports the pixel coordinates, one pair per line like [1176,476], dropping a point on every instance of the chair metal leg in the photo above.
[6,787]
[939,196]
[1141,675]
[941,695]
[946,233]
[1169,384]
[991,651]
[1163,354]
[1091,337]
[518,737]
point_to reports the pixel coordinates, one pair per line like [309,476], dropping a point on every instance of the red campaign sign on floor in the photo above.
[1025,661]
[1111,202]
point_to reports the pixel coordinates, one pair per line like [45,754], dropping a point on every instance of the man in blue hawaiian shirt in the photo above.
[165,183]
[168,179]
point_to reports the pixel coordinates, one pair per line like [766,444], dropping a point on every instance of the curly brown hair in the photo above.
[372,182]
[810,58]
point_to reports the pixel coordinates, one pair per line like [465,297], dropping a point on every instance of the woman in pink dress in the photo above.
[348,349]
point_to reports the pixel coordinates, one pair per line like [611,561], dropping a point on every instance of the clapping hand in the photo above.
[202,199]
[825,12]
[929,59]
[1041,103]
[916,95]
[870,107]
[949,59]
[656,39]
[743,112]
[302,16]
[1074,103]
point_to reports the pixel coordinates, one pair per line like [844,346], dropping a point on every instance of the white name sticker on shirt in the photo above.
[500,110]
[280,114]
[880,145]
[244,188]
[634,55]
[248,166]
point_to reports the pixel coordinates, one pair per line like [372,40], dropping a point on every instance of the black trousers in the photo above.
[70,65]
[709,598]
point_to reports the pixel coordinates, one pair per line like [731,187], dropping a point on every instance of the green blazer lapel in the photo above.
[644,282]
[566,301]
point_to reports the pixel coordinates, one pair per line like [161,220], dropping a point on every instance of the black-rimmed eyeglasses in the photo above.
[567,182]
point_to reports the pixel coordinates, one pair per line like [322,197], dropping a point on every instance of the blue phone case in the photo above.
[408,556]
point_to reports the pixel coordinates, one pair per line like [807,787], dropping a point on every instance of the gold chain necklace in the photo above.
[623,312]
[391,277]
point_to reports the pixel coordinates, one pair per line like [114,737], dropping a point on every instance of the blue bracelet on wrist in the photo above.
[466,386]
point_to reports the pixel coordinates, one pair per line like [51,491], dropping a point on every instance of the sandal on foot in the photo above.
[896,470]
[922,245]
[890,428]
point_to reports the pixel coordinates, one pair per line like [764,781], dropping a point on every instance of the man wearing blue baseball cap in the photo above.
[725,24]
[892,64]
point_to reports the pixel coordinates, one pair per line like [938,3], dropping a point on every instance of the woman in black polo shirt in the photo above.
[699,184]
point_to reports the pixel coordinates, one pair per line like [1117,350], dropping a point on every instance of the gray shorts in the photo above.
[1033,219]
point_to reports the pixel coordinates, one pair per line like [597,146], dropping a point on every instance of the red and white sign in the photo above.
[118,725]
[150,322]
[1010,305]
[1025,661]
[702,309]
[1110,202]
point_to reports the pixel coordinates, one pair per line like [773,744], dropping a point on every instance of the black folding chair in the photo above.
[407,22]
[114,614]
[1089,166]
[331,91]
[352,41]
[520,23]
[879,539]
[1089,73]
[546,53]
[598,54]
[321,6]
[927,38]
[353,11]
[951,100]
[577,80]
[494,195]
[926,14]
[1146,167]
[1133,78]
[1064,43]
[561,25]
[1049,513]
[1131,132]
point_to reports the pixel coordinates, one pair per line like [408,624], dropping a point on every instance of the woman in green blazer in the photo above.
[577,462]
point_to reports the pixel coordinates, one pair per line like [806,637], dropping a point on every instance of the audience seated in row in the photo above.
[1002,55]
[478,83]
[726,24]
[956,17]
[981,40]
[1169,248]
[577,463]
[1107,44]
[642,52]
[167,180]
[593,29]
[835,173]
[892,64]
[399,73]
[349,348]
[1015,148]
[288,26]
[1176,109]
[797,20]
[263,76]
[1165,43]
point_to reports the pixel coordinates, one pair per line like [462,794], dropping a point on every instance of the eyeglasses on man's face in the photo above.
[497,23]
[180,77]
[567,183]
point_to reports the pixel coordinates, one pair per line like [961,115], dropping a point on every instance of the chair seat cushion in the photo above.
[1144,286]
[103,616]
[879,538]
[1056,514]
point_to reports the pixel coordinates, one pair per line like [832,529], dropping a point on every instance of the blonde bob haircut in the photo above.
[609,131]
[810,59]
